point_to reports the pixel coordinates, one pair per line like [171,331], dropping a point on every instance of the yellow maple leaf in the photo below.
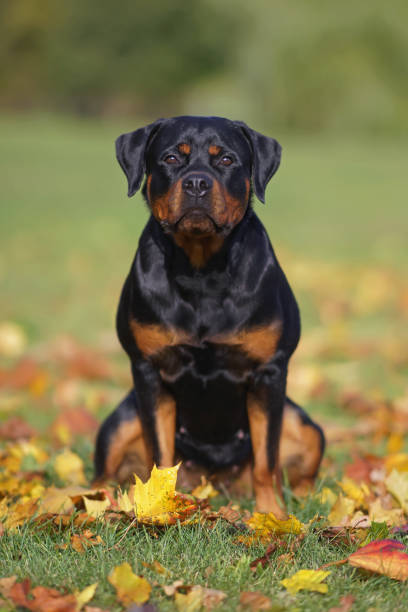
[397,485]
[341,511]
[157,501]
[307,580]
[130,588]
[70,467]
[354,491]
[124,502]
[266,525]
[19,513]
[205,490]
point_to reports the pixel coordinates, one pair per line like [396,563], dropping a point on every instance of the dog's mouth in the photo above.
[197,222]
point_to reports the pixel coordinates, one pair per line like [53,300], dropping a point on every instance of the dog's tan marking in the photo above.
[152,339]
[259,343]
[267,483]
[199,249]
[128,452]
[166,207]
[184,148]
[300,451]
[214,149]
[166,429]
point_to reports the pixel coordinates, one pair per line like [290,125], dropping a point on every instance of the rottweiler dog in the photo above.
[207,318]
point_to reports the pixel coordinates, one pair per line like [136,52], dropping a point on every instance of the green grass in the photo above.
[68,231]
[196,555]
[68,235]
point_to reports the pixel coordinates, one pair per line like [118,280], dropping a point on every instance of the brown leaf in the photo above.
[255,600]
[5,586]
[346,603]
[15,428]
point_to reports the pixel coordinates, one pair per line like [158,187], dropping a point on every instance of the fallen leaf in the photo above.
[205,490]
[346,603]
[43,599]
[307,580]
[15,428]
[397,485]
[382,557]
[156,501]
[266,525]
[156,567]
[255,600]
[82,597]
[5,586]
[358,493]
[129,587]
[70,468]
[96,507]
[170,589]
[189,602]
[394,516]
[342,511]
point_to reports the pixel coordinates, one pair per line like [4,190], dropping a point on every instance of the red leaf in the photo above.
[382,557]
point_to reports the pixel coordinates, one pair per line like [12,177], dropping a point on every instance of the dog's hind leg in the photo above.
[121,447]
[301,447]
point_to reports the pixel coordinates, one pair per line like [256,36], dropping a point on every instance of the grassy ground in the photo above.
[337,217]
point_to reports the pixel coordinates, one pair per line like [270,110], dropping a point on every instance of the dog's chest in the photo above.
[232,354]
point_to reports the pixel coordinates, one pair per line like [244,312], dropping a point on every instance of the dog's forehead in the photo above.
[201,132]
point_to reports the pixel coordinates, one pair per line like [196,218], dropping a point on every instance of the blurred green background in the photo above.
[328,80]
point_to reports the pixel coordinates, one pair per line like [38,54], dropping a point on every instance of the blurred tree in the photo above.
[303,64]
[89,54]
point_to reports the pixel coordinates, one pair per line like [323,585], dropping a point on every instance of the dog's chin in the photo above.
[196,223]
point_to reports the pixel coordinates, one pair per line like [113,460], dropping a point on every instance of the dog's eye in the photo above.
[171,159]
[226,160]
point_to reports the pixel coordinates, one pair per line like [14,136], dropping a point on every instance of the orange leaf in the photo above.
[255,600]
[382,557]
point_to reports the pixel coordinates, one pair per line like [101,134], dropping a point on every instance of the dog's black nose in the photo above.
[197,185]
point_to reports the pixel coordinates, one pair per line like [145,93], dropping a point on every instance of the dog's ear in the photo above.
[130,153]
[266,155]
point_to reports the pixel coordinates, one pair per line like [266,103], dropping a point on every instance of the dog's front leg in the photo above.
[158,413]
[265,403]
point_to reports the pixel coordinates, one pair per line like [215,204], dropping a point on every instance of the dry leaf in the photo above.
[382,557]
[255,600]
[129,587]
[378,514]
[397,485]
[358,493]
[307,580]
[266,525]
[342,511]
[96,507]
[189,602]
[82,597]
[205,490]
[70,468]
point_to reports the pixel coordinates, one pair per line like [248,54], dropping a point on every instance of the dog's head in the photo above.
[199,171]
